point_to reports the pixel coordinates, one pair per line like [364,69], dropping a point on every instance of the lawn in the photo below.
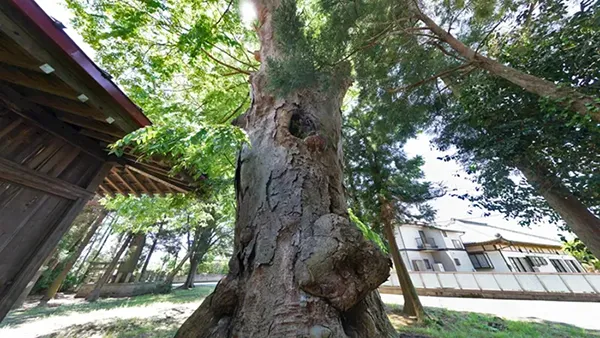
[161,315]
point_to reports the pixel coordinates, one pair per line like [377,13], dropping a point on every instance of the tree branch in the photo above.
[429,79]
[223,63]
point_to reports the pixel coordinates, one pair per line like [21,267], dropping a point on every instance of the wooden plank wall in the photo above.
[44,181]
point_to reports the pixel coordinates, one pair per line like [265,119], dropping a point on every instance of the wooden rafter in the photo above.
[134,178]
[114,186]
[154,186]
[158,179]
[24,36]
[40,81]
[44,120]
[94,125]
[63,104]
[12,58]
[125,183]
[106,190]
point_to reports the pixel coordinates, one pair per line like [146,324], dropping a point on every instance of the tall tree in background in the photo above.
[386,188]
[497,127]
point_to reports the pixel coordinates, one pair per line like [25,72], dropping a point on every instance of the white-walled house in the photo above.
[497,249]
[472,246]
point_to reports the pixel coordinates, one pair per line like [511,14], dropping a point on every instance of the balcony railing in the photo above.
[429,243]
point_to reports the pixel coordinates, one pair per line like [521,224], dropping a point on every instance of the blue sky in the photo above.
[435,170]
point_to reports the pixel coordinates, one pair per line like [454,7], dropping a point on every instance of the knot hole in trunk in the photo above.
[301,125]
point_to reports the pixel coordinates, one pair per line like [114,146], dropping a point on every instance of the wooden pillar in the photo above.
[10,292]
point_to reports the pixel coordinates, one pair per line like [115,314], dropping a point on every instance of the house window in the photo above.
[480,261]
[457,244]
[427,264]
[521,264]
[444,233]
[415,265]
[573,265]
[457,261]
[558,265]
[536,261]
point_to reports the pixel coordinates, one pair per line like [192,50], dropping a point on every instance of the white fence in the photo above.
[487,281]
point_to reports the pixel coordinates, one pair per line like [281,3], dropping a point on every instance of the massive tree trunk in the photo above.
[95,294]
[299,268]
[566,96]
[59,279]
[127,267]
[412,304]
[578,217]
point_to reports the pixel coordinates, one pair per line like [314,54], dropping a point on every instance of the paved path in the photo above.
[585,315]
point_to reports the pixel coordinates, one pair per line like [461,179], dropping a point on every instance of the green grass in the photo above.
[130,328]
[454,324]
[177,296]
[440,322]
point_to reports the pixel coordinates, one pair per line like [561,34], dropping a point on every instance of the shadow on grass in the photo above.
[156,327]
[455,324]
[16,317]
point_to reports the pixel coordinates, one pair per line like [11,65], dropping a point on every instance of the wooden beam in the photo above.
[40,252]
[126,184]
[38,255]
[21,61]
[112,184]
[101,127]
[13,25]
[106,191]
[10,127]
[158,179]
[45,82]
[99,136]
[44,120]
[63,104]
[155,187]
[16,173]
[134,178]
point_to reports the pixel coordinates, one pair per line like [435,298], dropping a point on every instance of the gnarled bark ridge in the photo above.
[299,269]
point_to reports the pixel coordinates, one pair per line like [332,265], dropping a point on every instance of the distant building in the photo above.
[472,246]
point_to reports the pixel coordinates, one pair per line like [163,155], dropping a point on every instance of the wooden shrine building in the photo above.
[58,112]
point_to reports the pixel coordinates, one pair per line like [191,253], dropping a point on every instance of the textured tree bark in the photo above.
[567,97]
[60,278]
[578,217]
[412,304]
[299,268]
[127,267]
[95,294]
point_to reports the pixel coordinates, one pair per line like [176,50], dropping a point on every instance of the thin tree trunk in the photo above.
[103,238]
[95,294]
[127,267]
[567,97]
[98,252]
[412,304]
[201,246]
[299,267]
[147,261]
[578,217]
[171,276]
[59,279]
